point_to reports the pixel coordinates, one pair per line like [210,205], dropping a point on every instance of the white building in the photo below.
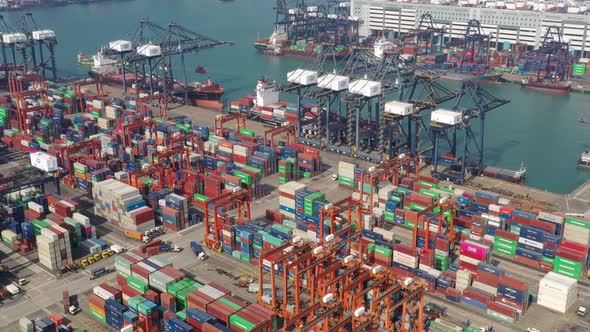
[523,25]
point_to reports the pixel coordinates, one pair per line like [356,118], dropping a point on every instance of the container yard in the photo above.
[135,201]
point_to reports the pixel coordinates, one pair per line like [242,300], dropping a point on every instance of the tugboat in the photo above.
[584,161]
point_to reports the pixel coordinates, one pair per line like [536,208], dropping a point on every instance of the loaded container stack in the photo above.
[152,294]
[122,205]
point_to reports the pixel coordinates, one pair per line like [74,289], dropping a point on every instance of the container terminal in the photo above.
[367,208]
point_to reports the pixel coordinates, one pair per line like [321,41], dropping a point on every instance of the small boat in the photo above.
[584,161]
[200,70]
[561,87]
[584,120]
[506,174]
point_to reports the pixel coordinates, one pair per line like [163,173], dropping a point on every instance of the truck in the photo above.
[582,311]
[168,247]
[146,236]
[117,249]
[198,250]
[98,272]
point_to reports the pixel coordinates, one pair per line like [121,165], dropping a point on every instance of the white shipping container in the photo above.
[528,242]
[446,117]
[43,161]
[399,108]
[103,293]
[469,260]
[43,34]
[550,217]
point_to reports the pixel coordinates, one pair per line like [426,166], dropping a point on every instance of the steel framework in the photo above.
[156,73]
[65,156]
[223,118]
[472,42]
[471,102]
[213,217]
[425,31]
[30,177]
[553,44]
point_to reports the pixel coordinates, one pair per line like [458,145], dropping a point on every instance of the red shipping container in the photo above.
[112,290]
[467,266]
[514,283]
[573,246]
[503,309]
[169,314]
[526,261]
[138,270]
[168,301]
[477,295]
[507,235]
[488,278]
[130,291]
[406,250]
[174,273]
[570,254]
[152,296]
[505,300]
[199,300]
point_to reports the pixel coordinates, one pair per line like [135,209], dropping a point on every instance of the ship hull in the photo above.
[545,88]
[267,49]
[194,96]
[503,174]
[582,164]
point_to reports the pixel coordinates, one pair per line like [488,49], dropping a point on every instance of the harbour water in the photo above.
[538,129]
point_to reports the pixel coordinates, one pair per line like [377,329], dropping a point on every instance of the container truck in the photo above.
[198,250]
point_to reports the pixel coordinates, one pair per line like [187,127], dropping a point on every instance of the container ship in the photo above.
[279,45]
[562,87]
[584,161]
[506,174]
[205,94]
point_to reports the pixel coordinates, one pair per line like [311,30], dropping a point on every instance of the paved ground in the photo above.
[43,293]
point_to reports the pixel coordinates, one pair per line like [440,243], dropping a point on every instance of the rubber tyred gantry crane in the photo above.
[128,130]
[389,171]
[80,96]
[223,118]
[443,206]
[65,153]
[290,131]
[213,223]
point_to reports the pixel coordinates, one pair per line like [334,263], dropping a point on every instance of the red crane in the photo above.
[192,140]
[171,155]
[80,96]
[443,205]
[389,171]
[241,198]
[128,130]
[143,105]
[164,174]
[64,155]
[288,129]
[223,118]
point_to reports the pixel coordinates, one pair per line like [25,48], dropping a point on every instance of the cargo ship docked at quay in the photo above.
[563,87]
[205,94]
[506,174]
[278,45]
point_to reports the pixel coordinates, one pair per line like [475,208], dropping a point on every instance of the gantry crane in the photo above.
[223,118]
[143,105]
[78,90]
[165,176]
[213,225]
[473,42]
[37,88]
[427,31]
[152,51]
[65,153]
[192,140]
[471,102]
[178,158]
[442,206]
[145,124]
[328,23]
[288,129]
[38,40]
[30,177]
[390,171]
[407,130]
[553,45]
[333,210]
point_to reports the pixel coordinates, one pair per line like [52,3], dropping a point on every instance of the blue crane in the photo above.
[470,103]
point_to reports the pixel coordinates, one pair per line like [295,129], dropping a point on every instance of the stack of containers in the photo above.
[577,230]
[252,317]
[557,292]
[405,259]
[176,288]
[224,307]
[472,253]
[346,173]
[286,170]
[114,313]
[174,324]
[203,296]
[487,278]
[464,279]
[505,243]
[54,247]
[530,245]
[123,263]
[175,212]
[513,292]
[198,318]
[97,307]
[287,196]
[122,205]
[44,324]
[570,259]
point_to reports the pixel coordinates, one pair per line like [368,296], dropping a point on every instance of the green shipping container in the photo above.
[247,132]
[246,178]
[200,198]
[230,304]
[578,222]
[181,314]
[137,284]
[548,260]
[181,294]
[98,316]
[241,323]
